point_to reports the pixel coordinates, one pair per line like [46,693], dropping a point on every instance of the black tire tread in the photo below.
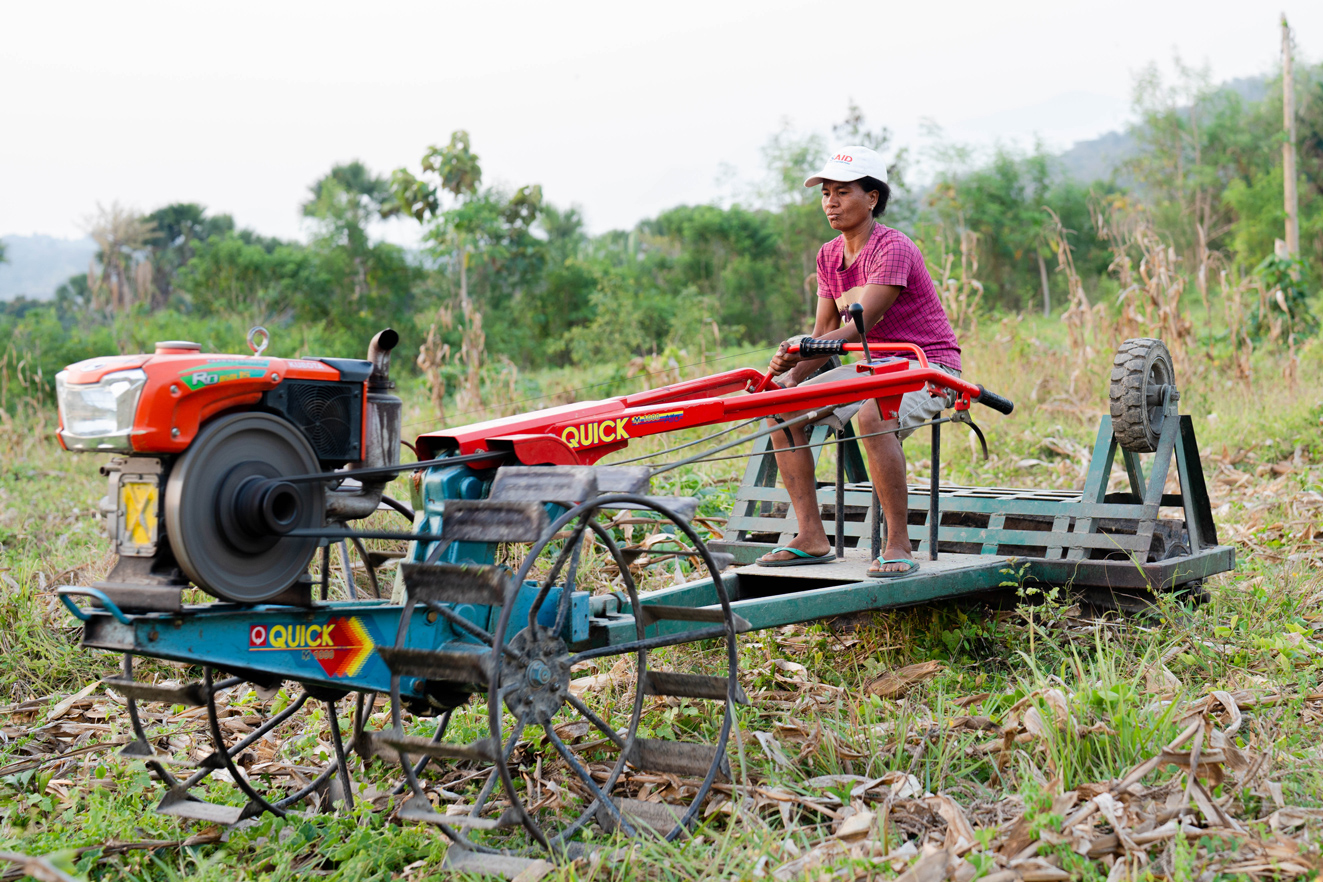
[1126,395]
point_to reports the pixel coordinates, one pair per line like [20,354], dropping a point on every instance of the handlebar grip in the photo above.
[993,400]
[810,348]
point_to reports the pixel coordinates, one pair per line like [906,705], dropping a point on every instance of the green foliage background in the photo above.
[1206,169]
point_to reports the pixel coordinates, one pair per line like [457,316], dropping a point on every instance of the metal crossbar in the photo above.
[1069,525]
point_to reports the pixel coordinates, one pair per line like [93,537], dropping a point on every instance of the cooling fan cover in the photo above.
[330,414]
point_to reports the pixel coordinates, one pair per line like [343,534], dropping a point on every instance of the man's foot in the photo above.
[793,554]
[894,560]
[896,568]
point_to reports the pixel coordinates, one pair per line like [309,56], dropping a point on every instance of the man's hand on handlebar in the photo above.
[783,360]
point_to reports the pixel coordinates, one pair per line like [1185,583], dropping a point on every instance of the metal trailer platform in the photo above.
[1142,540]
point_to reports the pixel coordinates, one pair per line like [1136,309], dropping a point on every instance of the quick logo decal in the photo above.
[592,434]
[341,646]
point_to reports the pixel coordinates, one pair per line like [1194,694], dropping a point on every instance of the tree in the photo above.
[854,130]
[563,300]
[125,277]
[481,238]
[177,228]
[346,198]
[343,202]
[459,173]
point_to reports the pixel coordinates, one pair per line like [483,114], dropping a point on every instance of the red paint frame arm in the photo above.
[583,433]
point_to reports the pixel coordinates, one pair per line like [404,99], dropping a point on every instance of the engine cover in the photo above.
[184,388]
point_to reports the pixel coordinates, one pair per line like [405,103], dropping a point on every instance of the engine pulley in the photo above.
[227,512]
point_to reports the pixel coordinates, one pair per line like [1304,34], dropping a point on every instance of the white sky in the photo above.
[622,108]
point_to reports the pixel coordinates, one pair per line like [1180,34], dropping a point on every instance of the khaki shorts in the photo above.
[916,408]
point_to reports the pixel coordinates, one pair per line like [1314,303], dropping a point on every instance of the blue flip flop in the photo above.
[894,574]
[801,558]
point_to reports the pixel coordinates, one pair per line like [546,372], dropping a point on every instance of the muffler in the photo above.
[381,445]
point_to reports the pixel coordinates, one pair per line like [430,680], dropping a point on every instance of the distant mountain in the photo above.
[36,265]
[1099,158]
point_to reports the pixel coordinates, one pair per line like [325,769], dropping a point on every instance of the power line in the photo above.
[837,440]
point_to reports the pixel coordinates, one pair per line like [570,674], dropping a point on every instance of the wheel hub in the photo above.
[254,511]
[540,678]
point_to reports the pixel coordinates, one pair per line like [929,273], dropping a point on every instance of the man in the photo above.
[883,271]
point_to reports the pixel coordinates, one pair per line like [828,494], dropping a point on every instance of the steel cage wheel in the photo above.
[229,754]
[227,751]
[669,822]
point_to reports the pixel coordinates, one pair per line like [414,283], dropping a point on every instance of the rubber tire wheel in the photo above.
[1140,364]
[192,524]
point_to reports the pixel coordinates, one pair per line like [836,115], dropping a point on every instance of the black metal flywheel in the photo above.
[226,511]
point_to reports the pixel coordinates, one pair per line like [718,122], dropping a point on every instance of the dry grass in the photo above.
[948,741]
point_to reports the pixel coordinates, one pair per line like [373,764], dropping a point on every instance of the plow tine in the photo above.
[420,810]
[684,506]
[179,804]
[623,479]
[677,757]
[483,751]
[658,818]
[485,520]
[653,613]
[441,665]
[690,686]
[544,484]
[453,583]
[463,860]
[190,694]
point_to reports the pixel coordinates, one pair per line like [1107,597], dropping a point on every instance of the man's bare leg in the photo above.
[886,468]
[796,468]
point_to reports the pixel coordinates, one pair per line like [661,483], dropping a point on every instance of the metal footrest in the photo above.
[440,665]
[190,694]
[456,583]
[645,817]
[690,686]
[572,484]
[653,613]
[483,751]
[677,757]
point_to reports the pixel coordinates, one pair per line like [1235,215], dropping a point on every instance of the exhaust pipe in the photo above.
[382,442]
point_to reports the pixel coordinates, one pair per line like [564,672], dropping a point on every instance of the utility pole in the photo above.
[1288,146]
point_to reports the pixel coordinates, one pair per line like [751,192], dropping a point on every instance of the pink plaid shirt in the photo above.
[890,258]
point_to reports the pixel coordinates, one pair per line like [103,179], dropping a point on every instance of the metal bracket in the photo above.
[68,592]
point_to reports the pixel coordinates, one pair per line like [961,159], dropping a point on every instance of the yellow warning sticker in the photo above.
[138,505]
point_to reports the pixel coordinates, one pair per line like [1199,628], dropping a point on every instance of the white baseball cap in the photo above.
[850,164]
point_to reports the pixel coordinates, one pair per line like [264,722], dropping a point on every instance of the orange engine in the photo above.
[203,446]
[156,403]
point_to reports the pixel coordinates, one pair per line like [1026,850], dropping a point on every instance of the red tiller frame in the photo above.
[584,432]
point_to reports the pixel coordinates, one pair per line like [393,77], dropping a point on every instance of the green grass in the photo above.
[1121,682]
